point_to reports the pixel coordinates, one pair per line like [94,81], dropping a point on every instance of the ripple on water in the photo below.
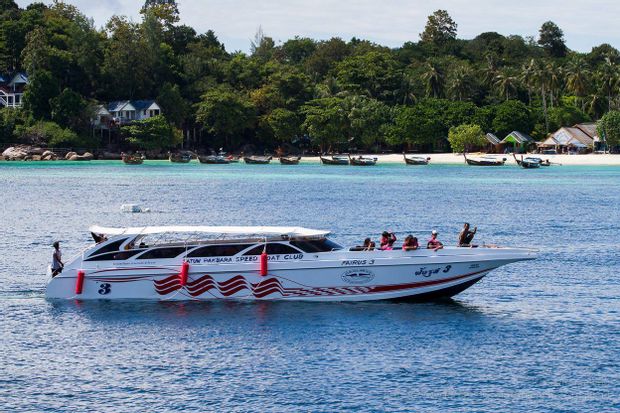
[532,336]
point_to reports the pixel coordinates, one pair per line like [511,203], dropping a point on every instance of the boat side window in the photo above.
[218,250]
[115,256]
[316,245]
[113,246]
[159,253]
[272,249]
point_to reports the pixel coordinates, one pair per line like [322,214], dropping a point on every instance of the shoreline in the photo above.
[436,159]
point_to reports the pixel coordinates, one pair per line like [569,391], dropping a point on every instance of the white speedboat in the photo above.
[264,263]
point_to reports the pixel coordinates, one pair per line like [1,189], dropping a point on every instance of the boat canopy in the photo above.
[213,230]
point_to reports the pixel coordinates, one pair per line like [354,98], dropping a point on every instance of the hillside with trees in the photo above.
[320,94]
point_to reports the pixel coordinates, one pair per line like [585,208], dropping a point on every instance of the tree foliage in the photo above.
[152,133]
[343,94]
[608,127]
[466,136]
[440,29]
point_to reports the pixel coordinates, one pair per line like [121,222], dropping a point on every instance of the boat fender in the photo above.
[79,282]
[183,273]
[263,263]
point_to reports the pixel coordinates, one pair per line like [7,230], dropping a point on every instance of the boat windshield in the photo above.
[315,245]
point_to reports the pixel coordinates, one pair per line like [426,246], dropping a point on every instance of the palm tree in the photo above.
[577,78]
[460,82]
[556,81]
[541,79]
[528,78]
[608,76]
[505,82]
[407,89]
[434,79]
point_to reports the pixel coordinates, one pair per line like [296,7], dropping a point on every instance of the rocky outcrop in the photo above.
[26,153]
[73,156]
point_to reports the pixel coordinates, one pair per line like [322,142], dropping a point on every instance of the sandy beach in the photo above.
[451,158]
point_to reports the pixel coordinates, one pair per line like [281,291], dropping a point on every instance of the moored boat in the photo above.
[334,160]
[416,160]
[257,160]
[290,160]
[213,159]
[180,157]
[362,160]
[485,161]
[264,263]
[527,163]
[233,158]
[132,159]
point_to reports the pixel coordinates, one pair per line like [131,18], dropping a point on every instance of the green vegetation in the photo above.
[609,128]
[152,133]
[465,136]
[333,93]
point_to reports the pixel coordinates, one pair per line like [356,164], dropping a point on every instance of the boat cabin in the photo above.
[196,246]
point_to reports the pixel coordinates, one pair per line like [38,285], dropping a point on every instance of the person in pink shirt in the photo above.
[433,243]
[387,241]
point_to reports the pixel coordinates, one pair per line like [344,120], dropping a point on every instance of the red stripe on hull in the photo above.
[263,289]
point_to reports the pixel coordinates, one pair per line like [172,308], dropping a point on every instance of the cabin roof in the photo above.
[567,136]
[143,104]
[19,78]
[213,230]
[518,137]
[492,138]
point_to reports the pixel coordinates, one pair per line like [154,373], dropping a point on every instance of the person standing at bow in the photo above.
[57,264]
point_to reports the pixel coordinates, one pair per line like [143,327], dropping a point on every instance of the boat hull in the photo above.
[359,276]
[334,161]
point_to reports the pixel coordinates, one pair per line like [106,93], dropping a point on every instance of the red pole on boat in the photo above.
[79,282]
[263,262]
[183,273]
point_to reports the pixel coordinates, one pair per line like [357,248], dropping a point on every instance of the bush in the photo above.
[465,136]
[49,133]
[152,133]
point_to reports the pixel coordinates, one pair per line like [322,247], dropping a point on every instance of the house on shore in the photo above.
[494,144]
[580,138]
[12,90]
[517,142]
[122,112]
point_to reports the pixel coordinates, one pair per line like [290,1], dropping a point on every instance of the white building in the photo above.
[12,90]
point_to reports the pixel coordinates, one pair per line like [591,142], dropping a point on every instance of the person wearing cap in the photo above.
[387,241]
[57,264]
[433,243]
[466,236]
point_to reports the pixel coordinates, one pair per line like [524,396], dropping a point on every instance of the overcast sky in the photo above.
[388,22]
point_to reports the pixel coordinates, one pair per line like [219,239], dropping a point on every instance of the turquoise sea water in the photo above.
[534,336]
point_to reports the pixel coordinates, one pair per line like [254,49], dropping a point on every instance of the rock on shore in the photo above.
[28,153]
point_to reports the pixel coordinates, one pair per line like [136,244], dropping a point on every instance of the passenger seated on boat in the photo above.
[130,245]
[411,243]
[466,236]
[369,245]
[433,243]
[387,240]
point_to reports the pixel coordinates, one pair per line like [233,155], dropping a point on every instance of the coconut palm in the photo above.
[608,77]
[528,78]
[578,78]
[407,92]
[434,79]
[460,82]
[506,83]
[541,79]
[556,81]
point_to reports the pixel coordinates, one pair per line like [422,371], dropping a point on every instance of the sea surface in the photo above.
[536,336]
